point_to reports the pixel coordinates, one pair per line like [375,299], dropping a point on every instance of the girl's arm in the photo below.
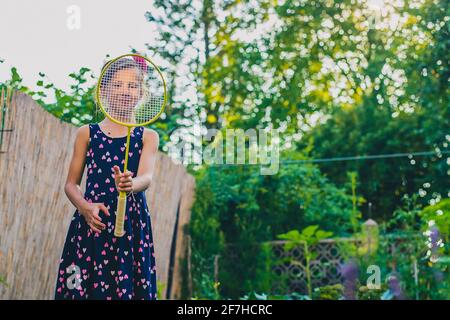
[90,211]
[143,179]
[76,168]
[146,167]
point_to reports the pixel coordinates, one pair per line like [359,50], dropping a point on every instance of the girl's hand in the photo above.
[90,213]
[124,181]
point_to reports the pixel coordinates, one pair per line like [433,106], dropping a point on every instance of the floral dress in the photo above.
[102,266]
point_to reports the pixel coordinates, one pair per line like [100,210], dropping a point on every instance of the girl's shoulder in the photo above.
[87,131]
[150,135]
[86,128]
[82,135]
[84,131]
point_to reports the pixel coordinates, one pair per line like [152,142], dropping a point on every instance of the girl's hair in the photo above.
[118,65]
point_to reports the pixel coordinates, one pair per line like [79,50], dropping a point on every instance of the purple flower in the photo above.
[434,243]
[434,235]
[395,287]
[438,275]
[349,272]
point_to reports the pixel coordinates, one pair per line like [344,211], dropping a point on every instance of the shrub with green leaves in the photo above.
[239,206]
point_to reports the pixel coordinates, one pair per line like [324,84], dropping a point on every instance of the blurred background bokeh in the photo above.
[359,94]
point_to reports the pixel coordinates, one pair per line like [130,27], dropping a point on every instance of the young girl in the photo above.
[95,264]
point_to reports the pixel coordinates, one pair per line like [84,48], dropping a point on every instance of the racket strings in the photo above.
[131,90]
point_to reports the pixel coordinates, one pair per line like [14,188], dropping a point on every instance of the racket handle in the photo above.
[120,215]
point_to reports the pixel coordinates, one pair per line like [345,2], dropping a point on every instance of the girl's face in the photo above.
[124,91]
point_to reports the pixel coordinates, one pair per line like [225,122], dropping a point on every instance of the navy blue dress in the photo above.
[102,266]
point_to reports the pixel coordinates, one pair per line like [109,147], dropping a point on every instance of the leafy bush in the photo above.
[440,215]
[331,292]
[240,207]
[305,239]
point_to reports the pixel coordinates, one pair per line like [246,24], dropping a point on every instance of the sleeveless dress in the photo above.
[102,266]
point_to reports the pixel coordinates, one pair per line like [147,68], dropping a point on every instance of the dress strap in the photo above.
[92,131]
[95,128]
[141,133]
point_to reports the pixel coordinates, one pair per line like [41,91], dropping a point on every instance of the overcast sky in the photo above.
[42,35]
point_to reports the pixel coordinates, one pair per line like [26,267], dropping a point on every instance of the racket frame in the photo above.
[119,230]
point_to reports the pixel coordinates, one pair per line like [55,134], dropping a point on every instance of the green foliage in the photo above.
[237,205]
[205,284]
[76,106]
[304,240]
[364,293]
[310,235]
[160,288]
[406,217]
[356,202]
[440,214]
[395,116]
[206,289]
[403,252]
[307,198]
[293,296]
[314,63]
[331,292]
[3,281]
[264,262]
[371,130]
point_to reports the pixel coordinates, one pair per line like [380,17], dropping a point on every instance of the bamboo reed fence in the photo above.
[36,148]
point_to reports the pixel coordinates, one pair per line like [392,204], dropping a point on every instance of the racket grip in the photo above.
[120,215]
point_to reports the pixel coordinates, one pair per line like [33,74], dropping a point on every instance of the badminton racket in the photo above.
[131,92]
